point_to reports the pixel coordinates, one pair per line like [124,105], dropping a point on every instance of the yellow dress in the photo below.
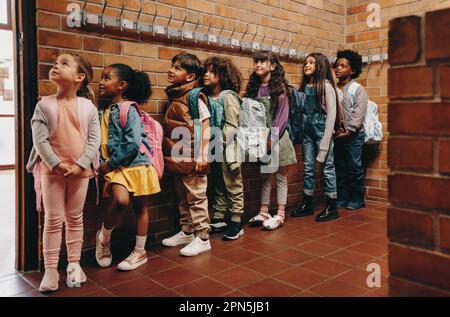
[139,180]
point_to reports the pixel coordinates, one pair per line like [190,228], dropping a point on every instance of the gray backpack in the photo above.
[253,132]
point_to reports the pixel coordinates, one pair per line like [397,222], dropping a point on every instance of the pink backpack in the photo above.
[154,132]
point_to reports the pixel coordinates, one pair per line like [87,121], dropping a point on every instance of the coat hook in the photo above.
[256,33]
[195,29]
[182,26]
[121,15]
[103,12]
[234,29]
[168,23]
[220,34]
[382,60]
[84,15]
[369,61]
[153,22]
[264,37]
[245,33]
[138,28]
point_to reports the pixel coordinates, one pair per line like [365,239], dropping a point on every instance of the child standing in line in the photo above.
[128,172]
[191,168]
[223,83]
[268,84]
[66,138]
[348,150]
[319,121]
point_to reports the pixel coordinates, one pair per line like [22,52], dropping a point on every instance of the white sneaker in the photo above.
[102,252]
[75,275]
[178,239]
[133,261]
[196,247]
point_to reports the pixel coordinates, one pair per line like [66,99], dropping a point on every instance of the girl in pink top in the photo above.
[66,138]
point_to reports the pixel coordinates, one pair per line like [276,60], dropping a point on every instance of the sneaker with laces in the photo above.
[234,231]
[196,247]
[133,261]
[102,252]
[218,225]
[75,275]
[178,239]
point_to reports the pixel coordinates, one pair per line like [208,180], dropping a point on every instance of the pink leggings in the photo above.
[63,200]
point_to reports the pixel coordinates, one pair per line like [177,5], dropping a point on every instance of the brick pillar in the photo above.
[419,155]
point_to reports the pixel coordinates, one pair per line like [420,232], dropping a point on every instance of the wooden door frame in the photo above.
[27,220]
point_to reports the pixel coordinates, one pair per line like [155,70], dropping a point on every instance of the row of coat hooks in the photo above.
[79,17]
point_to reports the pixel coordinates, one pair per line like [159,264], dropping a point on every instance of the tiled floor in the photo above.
[303,258]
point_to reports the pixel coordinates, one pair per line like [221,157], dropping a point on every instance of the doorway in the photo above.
[7,142]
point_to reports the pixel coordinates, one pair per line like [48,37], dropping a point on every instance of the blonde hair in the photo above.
[84,67]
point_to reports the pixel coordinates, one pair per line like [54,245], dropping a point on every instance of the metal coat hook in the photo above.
[168,23]
[84,15]
[182,26]
[256,33]
[121,15]
[103,13]
[369,61]
[234,29]
[153,22]
[245,33]
[264,37]
[209,36]
[281,45]
[220,33]
[382,61]
[138,28]
[195,29]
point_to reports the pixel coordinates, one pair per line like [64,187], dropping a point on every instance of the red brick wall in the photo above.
[419,151]
[321,22]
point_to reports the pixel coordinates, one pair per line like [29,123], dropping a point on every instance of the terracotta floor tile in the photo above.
[239,255]
[369,249]
[270,288]
[379,240]
[381,292]
[317,248]
[301,278]
[358,235]
[338,241]
[305,294]
[65,291]
[174,277]
[210,264]
[108,277]
[265,247]
[31,293]
[237,294]
[137,288]
[99,293]
[358,277]
[293,256]
[333,288]
[155,265]
[238,277]
[349,258]
[203,287]
[166,293]
[267,266]
[326,267]
[309,233]
[380,261]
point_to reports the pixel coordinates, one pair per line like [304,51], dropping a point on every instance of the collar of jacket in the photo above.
[176,91]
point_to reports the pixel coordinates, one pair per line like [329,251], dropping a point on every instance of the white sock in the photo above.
[140,243]
[105,235]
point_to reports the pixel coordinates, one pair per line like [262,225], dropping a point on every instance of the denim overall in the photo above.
[314,120]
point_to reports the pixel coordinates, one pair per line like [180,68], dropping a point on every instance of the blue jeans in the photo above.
[349,170]
[313,133]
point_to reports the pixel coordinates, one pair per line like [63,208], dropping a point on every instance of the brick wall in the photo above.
[374,40]
[419,151]
[322,21]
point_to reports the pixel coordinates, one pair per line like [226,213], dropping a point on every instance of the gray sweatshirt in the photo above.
[354,112]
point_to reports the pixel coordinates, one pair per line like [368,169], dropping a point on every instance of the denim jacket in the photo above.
[123,144]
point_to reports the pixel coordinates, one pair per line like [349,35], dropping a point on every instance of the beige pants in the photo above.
[193,206]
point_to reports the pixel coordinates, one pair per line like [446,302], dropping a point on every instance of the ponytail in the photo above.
[139,86]
[86,91]
[84,67]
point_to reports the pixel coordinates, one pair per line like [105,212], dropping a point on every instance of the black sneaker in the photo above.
[218,225]
[234,231]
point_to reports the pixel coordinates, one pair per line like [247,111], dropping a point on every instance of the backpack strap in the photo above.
[352,90]
[124,107]
[193,102]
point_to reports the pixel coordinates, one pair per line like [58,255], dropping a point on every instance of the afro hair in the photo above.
[354,59]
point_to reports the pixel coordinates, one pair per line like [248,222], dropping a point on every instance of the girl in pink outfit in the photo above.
[66,138]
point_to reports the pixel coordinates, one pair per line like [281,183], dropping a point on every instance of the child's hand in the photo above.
[341,135]
[104,168]
[75,170]
[62,168]
[201,167]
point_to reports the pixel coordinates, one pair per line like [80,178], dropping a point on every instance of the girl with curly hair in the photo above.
[222,81]
[268,84]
